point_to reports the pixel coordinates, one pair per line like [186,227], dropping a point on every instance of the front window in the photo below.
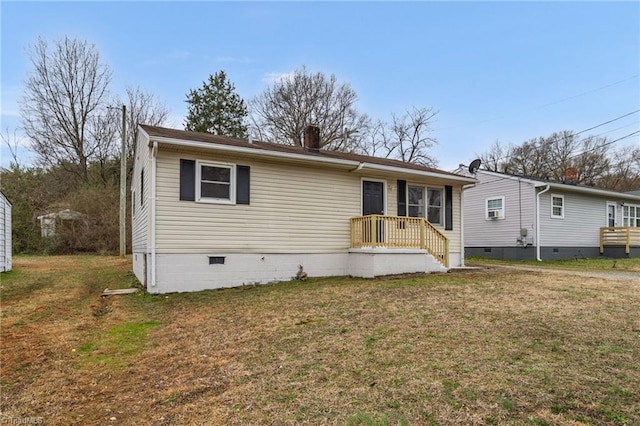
[434,206]
[631,216]
[215,183]
[557,206]
[494,208]
[416,201]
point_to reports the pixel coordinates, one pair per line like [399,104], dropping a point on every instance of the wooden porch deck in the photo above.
[626,236]
[399,232]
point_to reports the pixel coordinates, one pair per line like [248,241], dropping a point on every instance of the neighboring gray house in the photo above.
[5,233]
[513,217]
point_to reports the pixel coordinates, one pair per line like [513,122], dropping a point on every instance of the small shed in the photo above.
[5,233]
[49,222]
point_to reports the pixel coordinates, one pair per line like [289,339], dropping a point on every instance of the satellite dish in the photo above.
[474,166]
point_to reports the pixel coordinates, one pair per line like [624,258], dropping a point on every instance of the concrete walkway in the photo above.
[611,275]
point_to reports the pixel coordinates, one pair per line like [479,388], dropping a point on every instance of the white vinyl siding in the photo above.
[294,209]
[5,234]
[582,221]
[141,182]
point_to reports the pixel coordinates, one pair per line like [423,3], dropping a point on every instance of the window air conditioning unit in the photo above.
[494,214]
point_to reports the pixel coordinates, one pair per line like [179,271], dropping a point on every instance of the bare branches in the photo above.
[406,138]
[553,157]
[63,94]
[283,110]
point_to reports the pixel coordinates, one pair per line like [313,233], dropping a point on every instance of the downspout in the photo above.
[538,222]
[462,265]
[154,156]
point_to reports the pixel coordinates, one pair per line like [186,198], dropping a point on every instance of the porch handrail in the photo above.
[619,236]
[399,232]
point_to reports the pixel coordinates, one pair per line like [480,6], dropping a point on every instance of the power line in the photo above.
[568,98]
[534,145]
[568,158]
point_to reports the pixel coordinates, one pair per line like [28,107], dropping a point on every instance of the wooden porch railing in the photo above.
[399,232]
[619,236]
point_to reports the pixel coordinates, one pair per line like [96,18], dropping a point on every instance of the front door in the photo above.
[372,197]
[611,214]
[373,204]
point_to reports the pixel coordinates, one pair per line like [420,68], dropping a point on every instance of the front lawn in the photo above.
[473,347]
[595,264]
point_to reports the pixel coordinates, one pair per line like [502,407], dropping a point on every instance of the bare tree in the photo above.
[282,111]
[493,160]
[142,108]
[63,94]
[624,174]
[11,141]
[553,156]
[406,138]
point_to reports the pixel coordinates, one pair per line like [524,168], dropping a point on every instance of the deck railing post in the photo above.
[627,246]
[374,231]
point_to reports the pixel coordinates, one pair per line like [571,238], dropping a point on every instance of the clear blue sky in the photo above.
[507,71]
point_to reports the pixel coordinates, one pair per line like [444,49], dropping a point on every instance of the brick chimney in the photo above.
[312,138]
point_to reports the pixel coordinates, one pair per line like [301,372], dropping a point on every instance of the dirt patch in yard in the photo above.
[476,347]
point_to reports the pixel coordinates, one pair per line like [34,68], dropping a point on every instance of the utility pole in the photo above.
[123,184]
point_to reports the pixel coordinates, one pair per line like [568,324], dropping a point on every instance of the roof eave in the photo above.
[593,191]
[303,157]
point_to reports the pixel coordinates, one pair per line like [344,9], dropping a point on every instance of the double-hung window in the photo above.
[631,216]
[215,182]
[557,206]
[434,205]
[416,201]
[494,208]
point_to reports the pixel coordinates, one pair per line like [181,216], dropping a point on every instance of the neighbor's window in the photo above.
[416,201]
[557,206]
[631,216]
[494,208]
[434,205]
[215,183]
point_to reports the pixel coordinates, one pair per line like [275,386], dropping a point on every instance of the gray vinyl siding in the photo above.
[141,224]
[583,217]
[519,212]
[294,208]
[5,234]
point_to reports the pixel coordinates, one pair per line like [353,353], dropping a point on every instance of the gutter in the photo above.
[154,158]
[538,222]
[462,221]
[356,165]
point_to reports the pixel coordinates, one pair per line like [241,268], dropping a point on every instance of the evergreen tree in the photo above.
[216,108]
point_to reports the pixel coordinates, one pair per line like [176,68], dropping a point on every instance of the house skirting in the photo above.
[618,252]
[195,272]
[529,253]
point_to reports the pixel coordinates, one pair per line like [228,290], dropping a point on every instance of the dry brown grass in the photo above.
[462,348]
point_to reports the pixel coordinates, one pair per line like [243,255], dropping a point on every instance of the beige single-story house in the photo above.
[212,211]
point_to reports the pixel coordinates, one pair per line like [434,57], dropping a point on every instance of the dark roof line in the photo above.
[155,131]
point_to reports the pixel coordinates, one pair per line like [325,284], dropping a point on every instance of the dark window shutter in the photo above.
[142,187]
[402,197]
[448,208]
[242,184]
[188,180]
